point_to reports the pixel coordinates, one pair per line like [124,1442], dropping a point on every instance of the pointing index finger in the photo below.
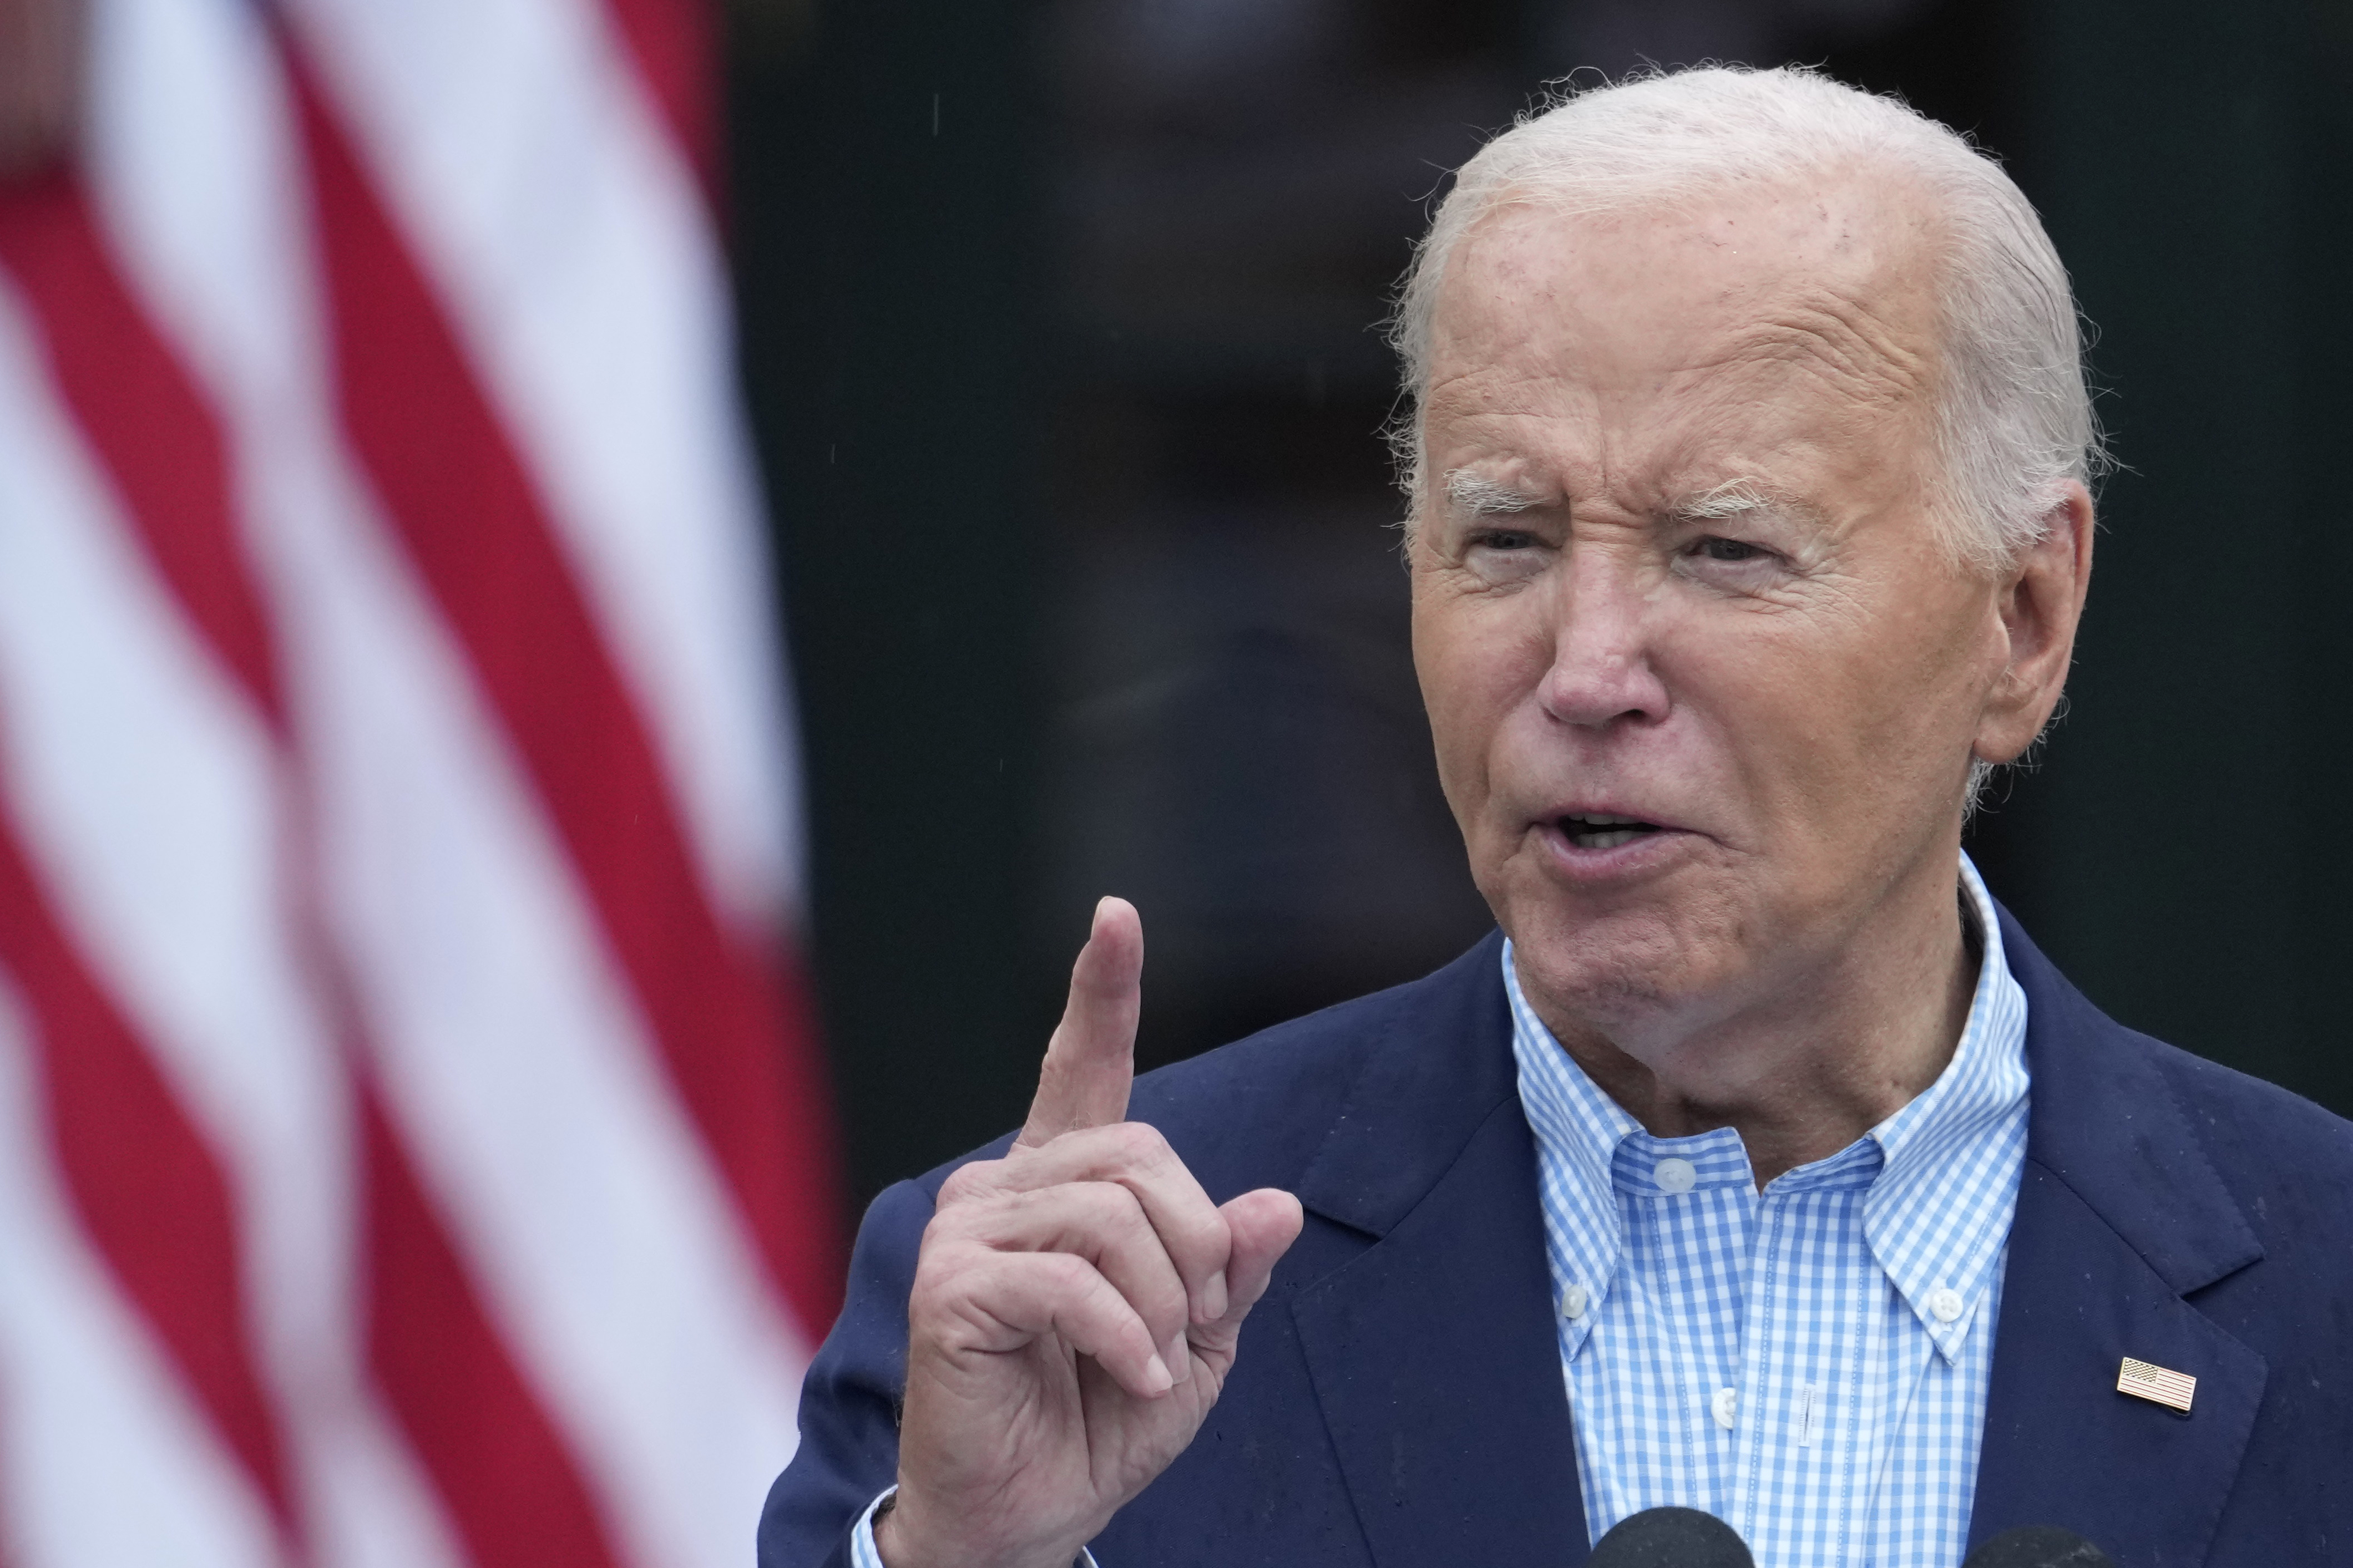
[1090,1060]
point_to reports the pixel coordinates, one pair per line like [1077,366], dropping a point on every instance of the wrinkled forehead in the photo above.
[1835,277]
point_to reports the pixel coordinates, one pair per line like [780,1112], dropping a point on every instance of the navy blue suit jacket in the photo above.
[1398,1400]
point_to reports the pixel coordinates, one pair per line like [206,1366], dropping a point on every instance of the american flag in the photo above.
[413,1145]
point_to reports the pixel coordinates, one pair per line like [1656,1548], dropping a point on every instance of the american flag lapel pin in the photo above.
[2157,1384]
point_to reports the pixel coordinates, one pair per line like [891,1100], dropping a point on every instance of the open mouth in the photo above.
[1597,832]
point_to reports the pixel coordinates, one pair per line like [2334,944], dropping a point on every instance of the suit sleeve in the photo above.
[849,1451]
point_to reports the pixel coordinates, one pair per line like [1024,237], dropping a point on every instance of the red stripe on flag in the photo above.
[509,1483]
[151,1193]
[734,1029]
[673,44]
[143,414]
[505,1476]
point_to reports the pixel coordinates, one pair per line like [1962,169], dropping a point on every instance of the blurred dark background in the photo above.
[1058,324]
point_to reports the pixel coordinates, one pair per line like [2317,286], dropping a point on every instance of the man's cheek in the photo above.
[1462,772]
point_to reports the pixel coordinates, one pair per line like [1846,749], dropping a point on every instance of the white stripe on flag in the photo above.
[583,1200]
[148,797]
[588,1206]
[521,157]
[104,1461]
[585,1203]
[147,790]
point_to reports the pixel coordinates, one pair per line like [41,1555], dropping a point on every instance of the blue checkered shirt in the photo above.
[1809,1363]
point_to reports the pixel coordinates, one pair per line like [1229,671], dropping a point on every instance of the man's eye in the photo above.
[1503,538]
[1715,549]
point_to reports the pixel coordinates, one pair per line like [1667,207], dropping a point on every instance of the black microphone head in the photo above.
[1670,1538]
[2039,1546]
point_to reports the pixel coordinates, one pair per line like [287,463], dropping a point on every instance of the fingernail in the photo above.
[1213,1298]
[1178,1358]
[1156,1376]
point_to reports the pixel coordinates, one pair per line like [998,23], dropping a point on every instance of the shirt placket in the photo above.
[1810,1386]
[1687,1257]
[1759,1331]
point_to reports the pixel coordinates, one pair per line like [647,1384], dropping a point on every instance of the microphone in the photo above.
[1680,1538]
[2039,1546]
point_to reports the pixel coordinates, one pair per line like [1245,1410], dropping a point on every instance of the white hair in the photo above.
[2015,417]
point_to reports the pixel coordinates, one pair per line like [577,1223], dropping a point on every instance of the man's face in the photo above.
[1675,565]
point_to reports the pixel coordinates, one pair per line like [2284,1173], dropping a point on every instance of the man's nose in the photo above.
[1601,669]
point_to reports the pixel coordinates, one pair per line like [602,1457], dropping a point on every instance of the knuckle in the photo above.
[1139,1143]
[954,1193]
[955,1225]
[1114,1205]
[968,1182]
[1068,1275]
[1165,1302]
[1086,1216]
[944,1276]
[1211,1241]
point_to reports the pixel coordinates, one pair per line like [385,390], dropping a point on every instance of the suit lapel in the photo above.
[1433,1352]
[2119,1217]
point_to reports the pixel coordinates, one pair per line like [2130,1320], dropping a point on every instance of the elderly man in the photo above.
[1759,1165]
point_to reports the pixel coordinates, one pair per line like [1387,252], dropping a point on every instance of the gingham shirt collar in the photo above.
[1936,1214]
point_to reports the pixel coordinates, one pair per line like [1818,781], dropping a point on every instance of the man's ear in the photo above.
[2040,600]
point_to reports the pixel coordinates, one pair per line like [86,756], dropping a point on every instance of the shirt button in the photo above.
[1573,1302]
[1674,1176]
[1725,1407]
[1945,1303]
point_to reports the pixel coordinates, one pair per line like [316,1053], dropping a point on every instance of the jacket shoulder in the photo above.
[2271,1125]
[2287,1161]
[2097,1085]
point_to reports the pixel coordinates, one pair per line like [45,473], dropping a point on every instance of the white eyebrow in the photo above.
[1484,496]
[1730,499]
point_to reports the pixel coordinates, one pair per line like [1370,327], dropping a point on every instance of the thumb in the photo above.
[1263,1224]
[1090,1060]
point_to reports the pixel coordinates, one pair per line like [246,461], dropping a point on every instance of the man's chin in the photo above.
[1617,967]
[1607,990]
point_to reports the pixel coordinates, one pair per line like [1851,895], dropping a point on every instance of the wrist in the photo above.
[901,1540]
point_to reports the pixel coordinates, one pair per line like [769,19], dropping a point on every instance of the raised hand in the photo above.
[1076,1305]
